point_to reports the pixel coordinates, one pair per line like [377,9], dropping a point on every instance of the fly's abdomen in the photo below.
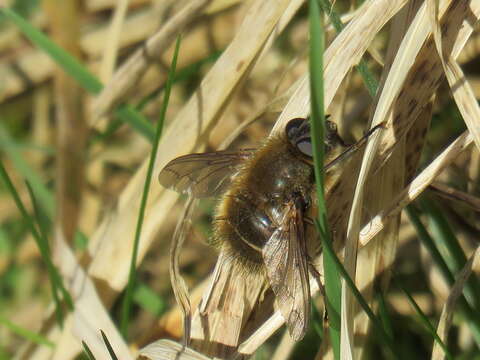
[243,222]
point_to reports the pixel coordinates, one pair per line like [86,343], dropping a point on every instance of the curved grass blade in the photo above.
[42,243]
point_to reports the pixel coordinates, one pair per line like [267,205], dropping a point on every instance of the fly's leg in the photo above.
[354,147]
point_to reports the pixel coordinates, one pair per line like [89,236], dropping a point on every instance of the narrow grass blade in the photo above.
[332,280]
[384,315]
[424,320]
[449,247]
[8,145]
[132,117]
[109,346]
[46,249]
[369,80]
[42,243]
[26,334]
[471,316]
[127,301]
[43,222]
[383,336]
[129,115]
[76,70]
[59,314]
[66,61]
[87,351]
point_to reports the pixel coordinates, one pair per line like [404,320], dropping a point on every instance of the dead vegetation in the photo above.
[249,77]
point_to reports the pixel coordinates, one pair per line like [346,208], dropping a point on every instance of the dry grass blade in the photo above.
[229,300]
[403,62]
[128,75]
[473,264]
[169,350]
[371,267]
[268,327]
[110,246]
[338,51]
[416,187]
[343,53]
[197,116]
[393,108]
[459,85]
[180,289]
[89,316]
[70,121]
[111,49]
[457,195]
[299,101]
[455,37]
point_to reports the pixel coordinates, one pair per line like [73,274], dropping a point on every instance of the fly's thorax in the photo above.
[276,171]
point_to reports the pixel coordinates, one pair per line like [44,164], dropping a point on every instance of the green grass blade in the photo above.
[87,351]
[384,315]
[129,115]
[317,322]
[8,145]
[428,242]
[127,301]
[149,299]
[46,250]
[41,220]
[26,334]
[66,61]
[424,320]
[77,71]
[369,80]
[448,245]
[377,325]
[471,316]
[332,280]
[42,243]
[113,356]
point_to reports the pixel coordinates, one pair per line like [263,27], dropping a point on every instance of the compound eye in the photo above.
[293,129]
[305,146]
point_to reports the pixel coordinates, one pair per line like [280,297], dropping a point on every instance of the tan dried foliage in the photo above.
[233,315]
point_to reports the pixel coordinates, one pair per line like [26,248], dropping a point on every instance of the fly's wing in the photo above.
[285,259]
[202,175]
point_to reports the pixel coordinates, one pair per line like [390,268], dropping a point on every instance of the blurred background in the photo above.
[78,165]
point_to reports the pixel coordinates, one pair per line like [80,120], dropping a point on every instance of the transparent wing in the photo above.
[202,175]
[285,259]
